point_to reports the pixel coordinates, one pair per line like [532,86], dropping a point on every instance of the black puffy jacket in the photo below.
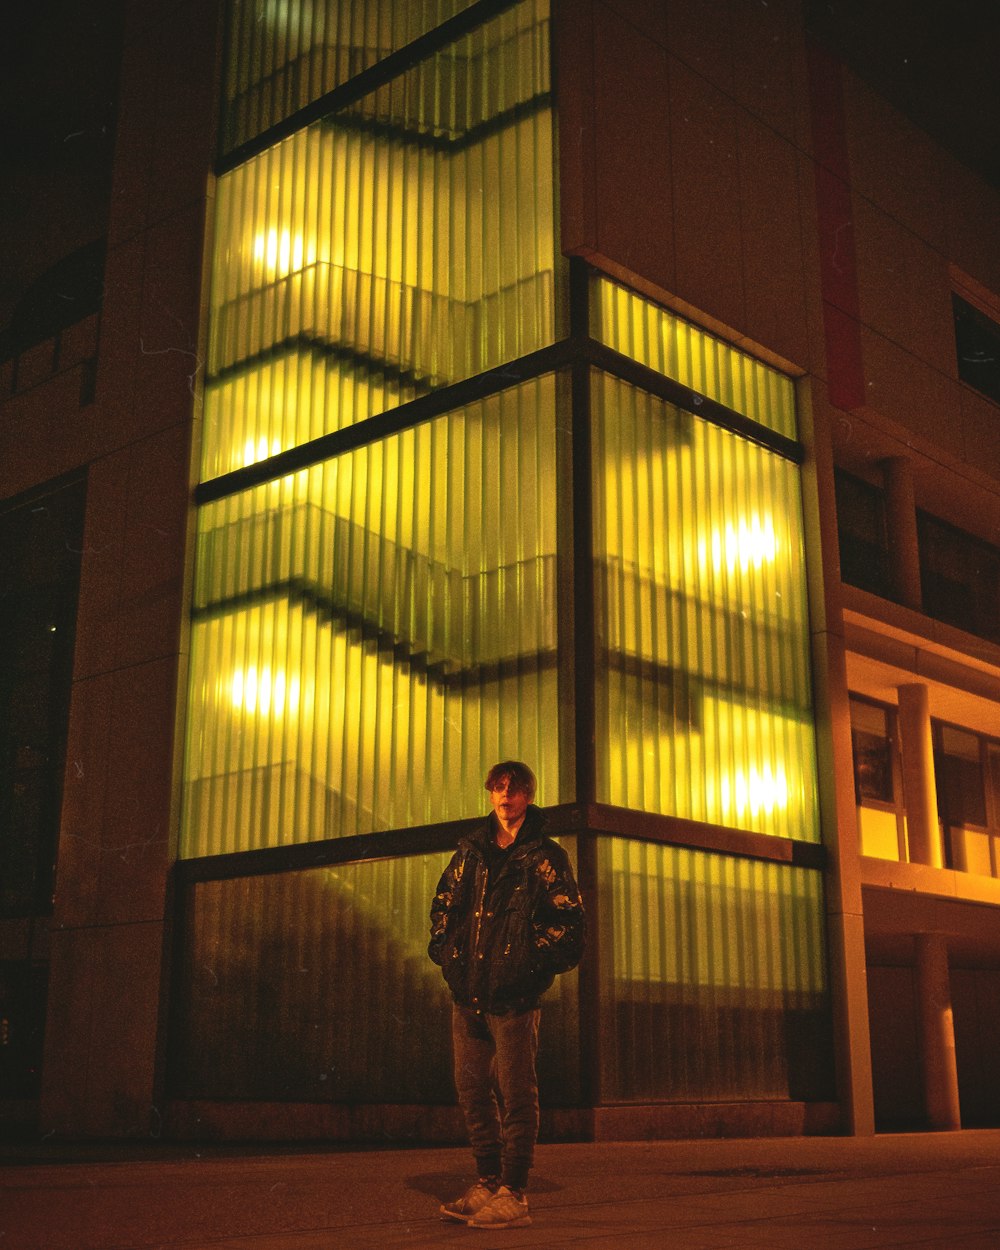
[501,938]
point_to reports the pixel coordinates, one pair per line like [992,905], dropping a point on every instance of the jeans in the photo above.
[498,1089]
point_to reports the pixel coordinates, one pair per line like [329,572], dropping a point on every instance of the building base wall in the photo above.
[664,1121]
[333,1122]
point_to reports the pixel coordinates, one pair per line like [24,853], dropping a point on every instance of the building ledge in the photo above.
[887,874]
[867,615]
[902,901]
[889,645]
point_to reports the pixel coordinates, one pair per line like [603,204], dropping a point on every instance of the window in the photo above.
[864,544]
[877,785]
[287,53]
[959,573]
[873,773]
[960,577]
[977,343]
[370,628]
[962,800]
[967,778]
[704,697]
[961,793]
[23,994]
[399,245]
[714,974]
[40,542]
[39,579]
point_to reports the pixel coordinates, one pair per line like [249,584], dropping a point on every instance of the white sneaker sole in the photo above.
[522,1221]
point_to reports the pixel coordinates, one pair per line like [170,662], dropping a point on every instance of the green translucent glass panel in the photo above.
[712,977]
[659,339]
[283,54]
[316,986]
[704,706]
[395,247]
[371,633]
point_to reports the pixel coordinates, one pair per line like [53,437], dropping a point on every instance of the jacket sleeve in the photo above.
[559,923]
[442,904]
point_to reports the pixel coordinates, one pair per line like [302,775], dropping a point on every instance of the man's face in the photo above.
[510,801]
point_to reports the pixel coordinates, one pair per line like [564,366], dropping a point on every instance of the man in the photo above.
[505,920]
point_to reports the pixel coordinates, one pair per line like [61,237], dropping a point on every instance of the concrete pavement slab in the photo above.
[934,1191]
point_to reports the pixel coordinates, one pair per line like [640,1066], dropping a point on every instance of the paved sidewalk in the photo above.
[936,1191]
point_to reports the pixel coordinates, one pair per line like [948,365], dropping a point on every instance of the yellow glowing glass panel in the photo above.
[283,54]
[400,245]
[713,975]
[370,630]
[704,695]
[661,340]
[879,833]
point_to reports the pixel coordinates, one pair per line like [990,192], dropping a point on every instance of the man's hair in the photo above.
[517,775]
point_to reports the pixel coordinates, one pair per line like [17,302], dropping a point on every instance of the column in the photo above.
[842,892]
[901,523]
[923,831]
[937,1033]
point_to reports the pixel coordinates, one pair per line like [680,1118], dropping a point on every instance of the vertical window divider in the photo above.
[583,538]
[583,655]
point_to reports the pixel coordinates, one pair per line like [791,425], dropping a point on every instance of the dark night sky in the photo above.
[937,61]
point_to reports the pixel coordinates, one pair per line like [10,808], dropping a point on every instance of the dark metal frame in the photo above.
[579,352]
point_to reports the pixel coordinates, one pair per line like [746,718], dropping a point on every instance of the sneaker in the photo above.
[474,1199]
[505,1209]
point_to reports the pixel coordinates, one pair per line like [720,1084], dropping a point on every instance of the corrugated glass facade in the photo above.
[283,54]
[315,986]
[381,615]
[286,971]
[660,340]
[394,247]
[369,630]
[704,706]
[713,977]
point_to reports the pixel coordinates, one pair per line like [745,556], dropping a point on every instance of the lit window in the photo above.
[881,822]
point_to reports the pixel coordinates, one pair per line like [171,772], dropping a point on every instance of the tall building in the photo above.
[610,385]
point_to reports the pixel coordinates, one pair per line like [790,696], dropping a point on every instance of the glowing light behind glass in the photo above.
[394,247]
[704,691]
[371,629]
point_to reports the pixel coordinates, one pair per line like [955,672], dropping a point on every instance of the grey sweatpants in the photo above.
[498,1089]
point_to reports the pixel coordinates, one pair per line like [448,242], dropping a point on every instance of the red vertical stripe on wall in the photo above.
[838,265]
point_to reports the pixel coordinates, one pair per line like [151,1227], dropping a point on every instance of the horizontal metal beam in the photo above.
[593,820]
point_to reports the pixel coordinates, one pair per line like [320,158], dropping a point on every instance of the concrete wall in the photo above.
[713,154]
[134,437]
[685,161]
